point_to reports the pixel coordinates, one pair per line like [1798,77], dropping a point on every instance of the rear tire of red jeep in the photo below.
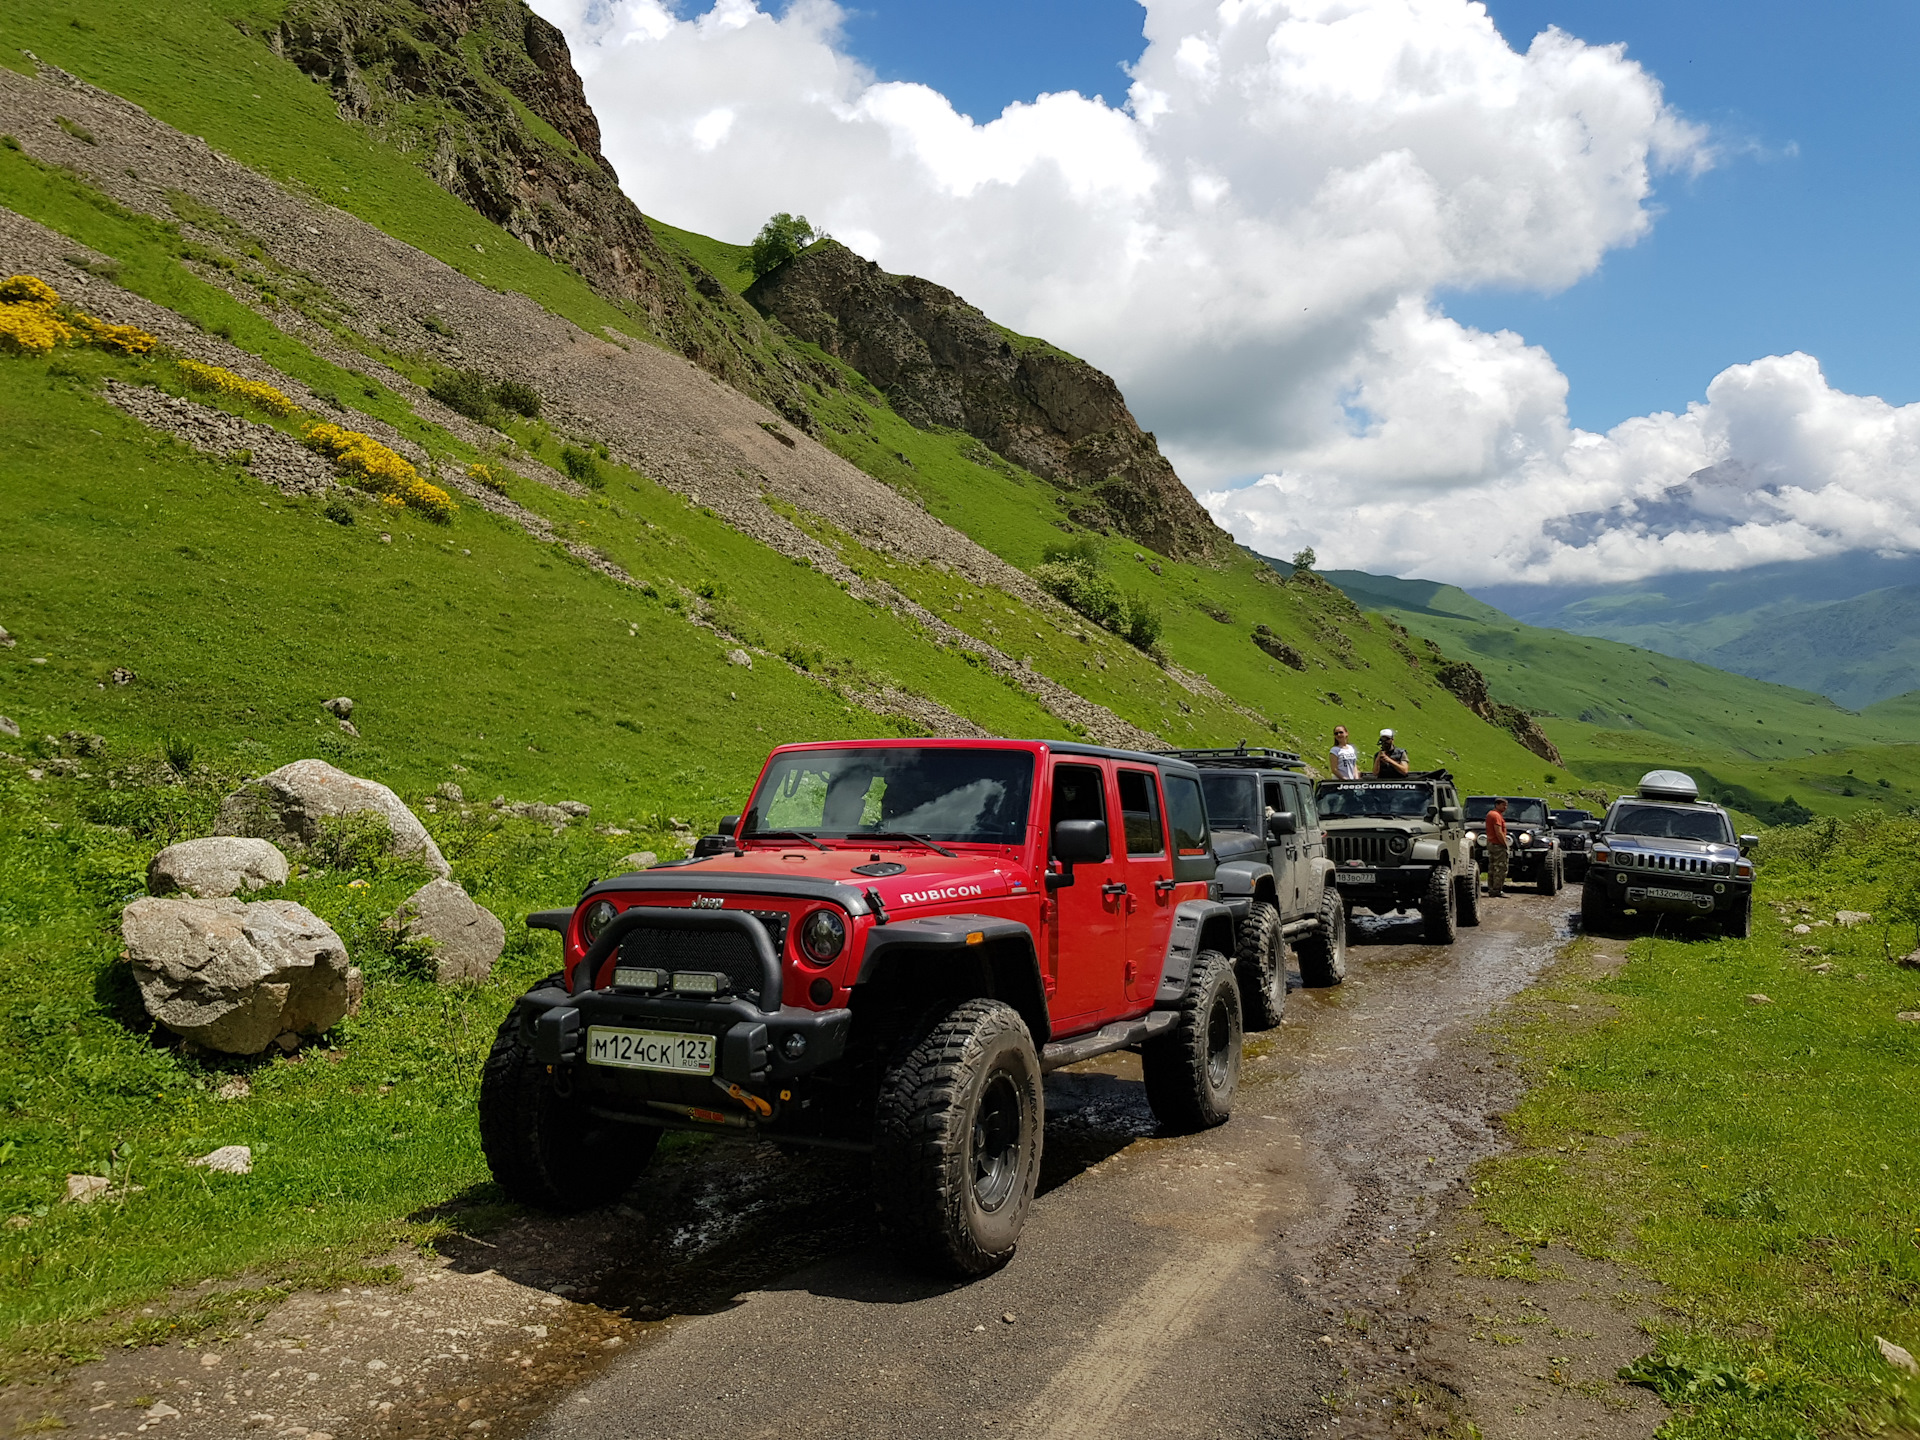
[1193,1070]
[1437,908]
[957,1140]
[1260,967]
[545,1149]
[1323,954]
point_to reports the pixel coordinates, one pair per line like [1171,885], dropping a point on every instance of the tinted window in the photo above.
[1140,813]
[1571,817]
[1232,801]
[1526,812]
[1189,818]
[1670,822]
[1079,793]
[1478,806]
[945,794]
[1304,813]
[1344,798]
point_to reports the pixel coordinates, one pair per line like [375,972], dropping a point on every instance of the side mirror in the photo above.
[708,845]
[1747,842]
[729,824]
[1077,842]
[1282,823]
[1451,814]
[1592,827]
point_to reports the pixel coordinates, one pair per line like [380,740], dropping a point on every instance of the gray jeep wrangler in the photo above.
[1272,874]
[1402,844]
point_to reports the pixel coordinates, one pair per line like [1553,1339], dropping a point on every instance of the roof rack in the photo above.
[1243,757]
[1446,775]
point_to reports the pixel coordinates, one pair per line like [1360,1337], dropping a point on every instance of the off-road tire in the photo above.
[1437,908]
[1598,913]
[1466,898]
[1549,880]
[1323,954]
[1738,924]
[1260,967]
[545,1149]
[1193,1069]
[957,1135]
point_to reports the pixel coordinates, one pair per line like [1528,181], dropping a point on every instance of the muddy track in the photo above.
[1269,1278]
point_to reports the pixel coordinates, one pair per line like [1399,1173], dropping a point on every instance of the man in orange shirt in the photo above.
[1497,848]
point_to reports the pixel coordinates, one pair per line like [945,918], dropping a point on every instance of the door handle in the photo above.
[1161,887]
[1114,887]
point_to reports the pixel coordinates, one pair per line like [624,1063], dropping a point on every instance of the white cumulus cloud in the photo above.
[1251,242]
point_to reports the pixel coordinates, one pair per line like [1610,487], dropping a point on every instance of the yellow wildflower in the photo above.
[126,339]
[213,380]
[380,469]
[28,290]
[494,477]
[31,329]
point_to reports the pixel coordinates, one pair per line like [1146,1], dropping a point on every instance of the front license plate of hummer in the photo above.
[1656,892]
[678,1053]
[1353,877]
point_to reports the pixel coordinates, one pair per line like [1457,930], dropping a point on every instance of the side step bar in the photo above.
[1107,1039]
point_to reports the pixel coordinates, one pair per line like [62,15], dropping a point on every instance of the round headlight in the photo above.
[1398,844]
[823,935]
[599,915]
[1525,838]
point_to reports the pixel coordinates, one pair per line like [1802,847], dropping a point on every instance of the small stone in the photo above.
[467,938]
[235,1089]
[739,657]
[38,660]
[385,538]
[1910,960]
[1803,930]
[347,728]
[578,809]
[215,867]
[340,707]
[1909,1017]
[18,1222]
[85,1189]
[1758,1000]
[7,640]
[638,860]
[1823,968]
[160,1411]
[36,774]
[228,1160]
[120,675]
[1897,1356]
[9,729]
[1007,1319]
[287,1041]
[356,989]
[1850,918]
[447,790]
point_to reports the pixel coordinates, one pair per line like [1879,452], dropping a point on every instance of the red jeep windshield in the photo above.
[945,793]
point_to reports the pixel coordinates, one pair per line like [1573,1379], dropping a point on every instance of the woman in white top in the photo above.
[1346,759]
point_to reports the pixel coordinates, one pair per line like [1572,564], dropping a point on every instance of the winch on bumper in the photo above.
[755,1039]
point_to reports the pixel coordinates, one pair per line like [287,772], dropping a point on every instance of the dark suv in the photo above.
[1574,830]
[1273,871]
[1533,850]
[1399,844]
[894,942]
[1665,851]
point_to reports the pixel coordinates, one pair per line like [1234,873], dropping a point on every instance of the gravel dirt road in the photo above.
[1284,1275]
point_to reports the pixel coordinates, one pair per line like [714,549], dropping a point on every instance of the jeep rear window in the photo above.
[1342,800]
[978,796]
[1233,801]
[1670,822]
[1140,813]
[1188,814]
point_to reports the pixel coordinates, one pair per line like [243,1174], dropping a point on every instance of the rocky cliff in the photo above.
[941,362]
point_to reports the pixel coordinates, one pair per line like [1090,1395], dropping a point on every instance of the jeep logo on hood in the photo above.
[709,902]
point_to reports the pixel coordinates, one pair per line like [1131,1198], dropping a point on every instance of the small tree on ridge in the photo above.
[779,240]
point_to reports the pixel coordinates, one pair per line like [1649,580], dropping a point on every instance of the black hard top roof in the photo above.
[1107,752]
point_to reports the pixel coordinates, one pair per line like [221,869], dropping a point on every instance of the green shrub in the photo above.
[467,392]
[518,397]
[779,240]
[1083,589]
[353,841]
[1144,622]
[582,466]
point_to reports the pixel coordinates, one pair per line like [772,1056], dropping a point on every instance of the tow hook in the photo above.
[747,1098]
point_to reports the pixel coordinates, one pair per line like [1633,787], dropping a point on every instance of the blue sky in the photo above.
[1802,238]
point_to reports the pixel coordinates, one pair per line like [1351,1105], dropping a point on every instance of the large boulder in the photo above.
[467,938]
[233,976]
[216,867]
[288,805]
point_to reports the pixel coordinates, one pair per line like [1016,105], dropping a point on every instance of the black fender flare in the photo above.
[1197,925]
[1004,948]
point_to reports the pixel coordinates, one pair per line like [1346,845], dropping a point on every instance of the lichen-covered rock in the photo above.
[467,937]
[216,867]
[288,805]
[232,976]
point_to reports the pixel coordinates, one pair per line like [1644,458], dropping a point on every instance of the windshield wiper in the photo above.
[787,835]
[905,835]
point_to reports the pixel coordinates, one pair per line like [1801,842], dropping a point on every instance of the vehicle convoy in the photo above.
[1574,830]
[893,942]
[1533,850]
[1273,871]
[1665,851]
[1402,844]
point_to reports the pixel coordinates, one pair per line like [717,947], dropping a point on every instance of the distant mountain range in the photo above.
[1847,627]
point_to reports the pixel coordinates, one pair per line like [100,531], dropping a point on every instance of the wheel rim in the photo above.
[1219,1043]
[996,1142]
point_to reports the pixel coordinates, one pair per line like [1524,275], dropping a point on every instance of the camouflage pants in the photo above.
[1496,869]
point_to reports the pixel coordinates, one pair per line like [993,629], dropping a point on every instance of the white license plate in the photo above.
[679,1053]
[1354,877]
[1658,892]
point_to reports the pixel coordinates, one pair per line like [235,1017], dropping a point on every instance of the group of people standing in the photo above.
[1389,760]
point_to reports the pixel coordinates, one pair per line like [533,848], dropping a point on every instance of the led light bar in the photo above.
[700,982]
[627,978]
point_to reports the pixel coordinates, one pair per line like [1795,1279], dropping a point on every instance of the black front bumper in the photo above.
[1687,895]
[1393,887]
[753,1046]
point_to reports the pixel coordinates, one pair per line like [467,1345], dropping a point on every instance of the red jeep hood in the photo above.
[928,880]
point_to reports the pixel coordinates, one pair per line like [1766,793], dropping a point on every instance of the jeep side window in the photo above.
[1079,793]
[1275,799]
[1306,816]
[1140,813]
[1188,815]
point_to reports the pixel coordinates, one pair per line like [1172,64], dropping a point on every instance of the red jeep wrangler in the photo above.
[898,938]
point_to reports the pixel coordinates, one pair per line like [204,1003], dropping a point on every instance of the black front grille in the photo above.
[729,952]
[1368,849]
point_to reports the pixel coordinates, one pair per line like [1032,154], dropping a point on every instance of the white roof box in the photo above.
[1668,785]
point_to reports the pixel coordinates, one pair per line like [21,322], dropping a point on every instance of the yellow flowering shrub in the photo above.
[494,477]
[211,379]
[379,469]
[28,290]
[31,329]
[123,339]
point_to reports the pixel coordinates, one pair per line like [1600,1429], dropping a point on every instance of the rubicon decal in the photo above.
[948,892]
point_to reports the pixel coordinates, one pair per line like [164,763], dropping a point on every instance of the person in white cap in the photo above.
[1389,761]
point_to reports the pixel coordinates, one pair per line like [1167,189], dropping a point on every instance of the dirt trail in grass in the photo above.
[1286,1274]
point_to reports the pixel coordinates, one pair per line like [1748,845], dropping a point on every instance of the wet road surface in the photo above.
[1221,1284]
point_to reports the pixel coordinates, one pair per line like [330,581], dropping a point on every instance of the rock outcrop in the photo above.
[232,976]
[288,805]
[216,867]
[941,362]
[1469,687]
[467,937]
